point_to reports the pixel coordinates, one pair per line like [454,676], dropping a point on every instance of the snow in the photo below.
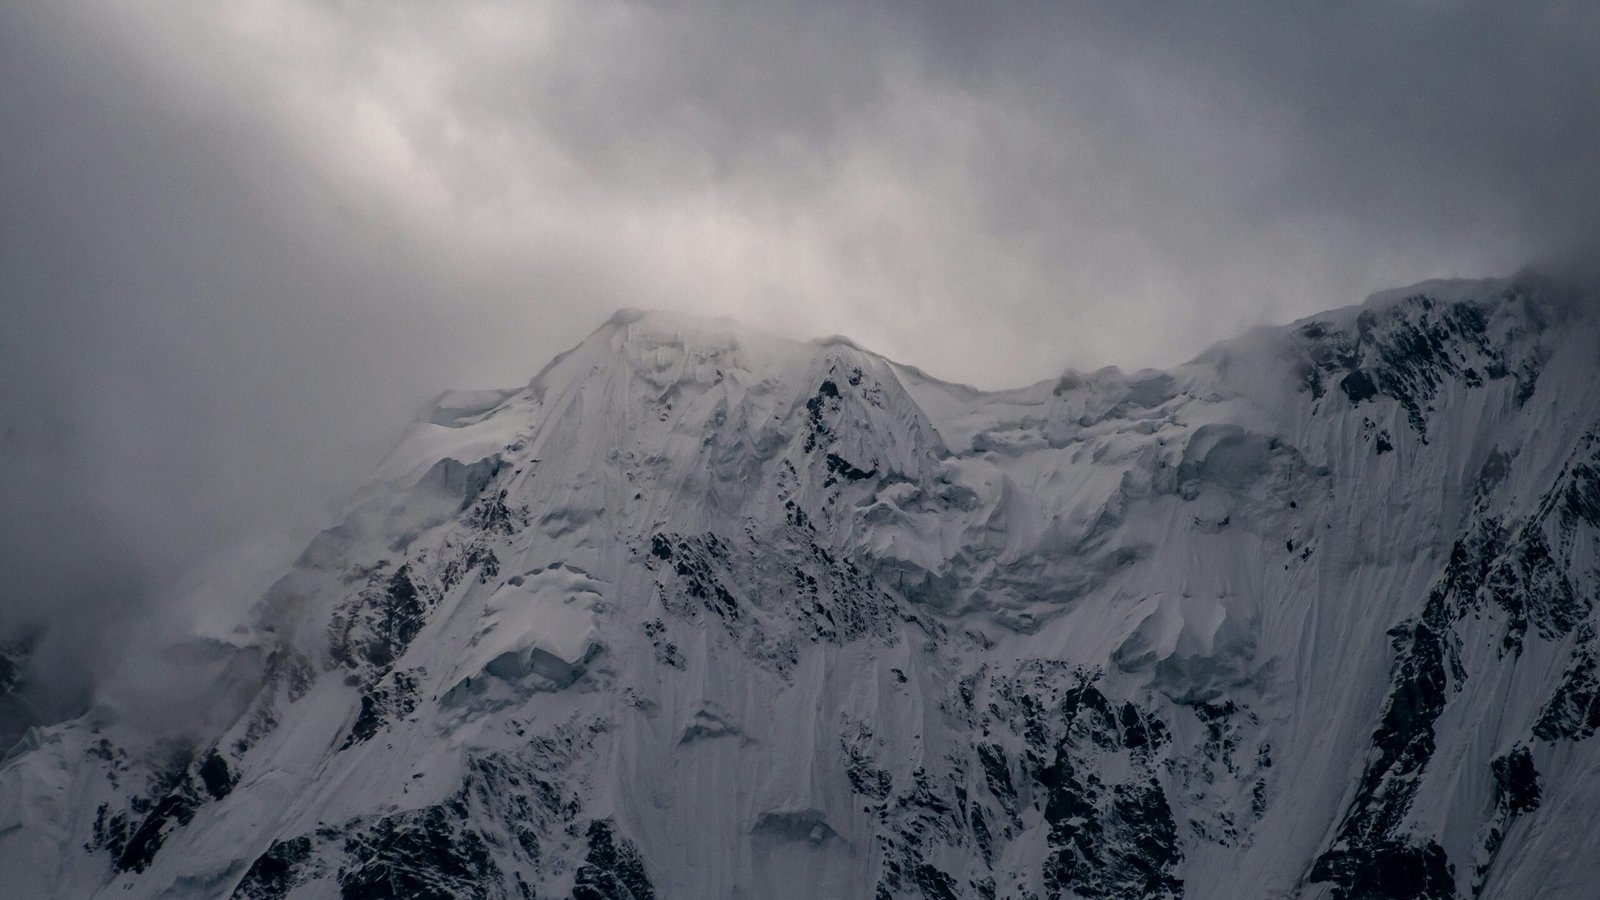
[778,612]
[1194,647]
[542,625]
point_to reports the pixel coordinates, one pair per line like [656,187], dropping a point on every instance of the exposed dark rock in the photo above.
[797,590]
[1516,791]
[172,811]
[997,775]
[1581,501]
[660,547]
[1211,778]
[1516,781]
[926,814]
[838,465]
[1366,857]
[825,400]
[1573,711]
[613,868]
[373,628]
[1112,838]
[134,836]
[1358,386]
[13,663]
[667,653]
[426,853]
[1407,352]
[866,778]
[393,697]
[276,872]
[493,516]
[216,776]
[1388,870]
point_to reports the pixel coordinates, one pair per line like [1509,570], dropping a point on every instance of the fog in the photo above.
[241,244]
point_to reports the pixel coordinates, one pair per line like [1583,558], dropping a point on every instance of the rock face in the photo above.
[704,613]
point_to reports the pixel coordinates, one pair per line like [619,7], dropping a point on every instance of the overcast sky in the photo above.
[240,242]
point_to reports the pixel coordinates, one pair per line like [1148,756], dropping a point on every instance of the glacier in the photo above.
[702,612]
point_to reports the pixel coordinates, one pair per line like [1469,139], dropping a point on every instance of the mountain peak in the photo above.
[708,612]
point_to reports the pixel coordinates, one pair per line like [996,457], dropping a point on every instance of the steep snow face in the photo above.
[700,612]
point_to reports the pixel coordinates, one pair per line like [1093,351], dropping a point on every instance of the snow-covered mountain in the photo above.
[704,613]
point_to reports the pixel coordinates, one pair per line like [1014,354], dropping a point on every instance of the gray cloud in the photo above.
[240,243]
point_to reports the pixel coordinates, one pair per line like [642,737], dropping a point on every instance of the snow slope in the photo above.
[700,612]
